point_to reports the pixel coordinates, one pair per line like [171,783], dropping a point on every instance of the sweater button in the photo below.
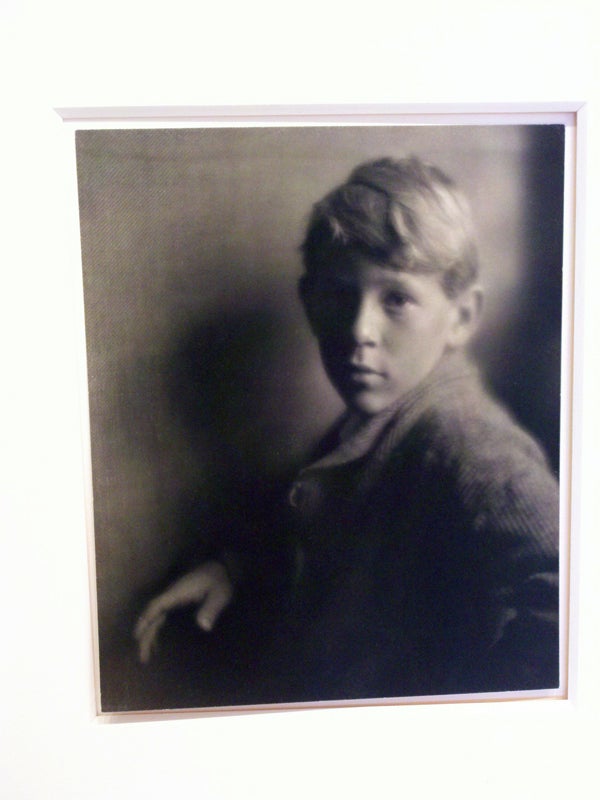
[298,496]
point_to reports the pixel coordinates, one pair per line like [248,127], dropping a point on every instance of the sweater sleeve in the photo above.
[510,501]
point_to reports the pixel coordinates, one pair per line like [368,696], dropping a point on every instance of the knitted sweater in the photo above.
[428,553]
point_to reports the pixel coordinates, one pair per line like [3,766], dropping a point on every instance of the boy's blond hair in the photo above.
[402,213]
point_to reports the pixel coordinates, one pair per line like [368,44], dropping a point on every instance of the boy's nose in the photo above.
[365,325]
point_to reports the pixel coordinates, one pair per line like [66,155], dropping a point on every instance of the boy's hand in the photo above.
[208,587]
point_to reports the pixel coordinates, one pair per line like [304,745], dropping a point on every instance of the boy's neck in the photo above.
[452,364]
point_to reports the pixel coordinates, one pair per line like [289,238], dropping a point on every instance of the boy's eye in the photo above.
[395,301]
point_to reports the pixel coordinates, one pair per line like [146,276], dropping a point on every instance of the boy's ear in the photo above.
[468,308]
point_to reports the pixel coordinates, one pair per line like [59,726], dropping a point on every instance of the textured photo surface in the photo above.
[208,397]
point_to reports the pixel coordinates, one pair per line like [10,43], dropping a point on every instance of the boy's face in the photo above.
[380,330]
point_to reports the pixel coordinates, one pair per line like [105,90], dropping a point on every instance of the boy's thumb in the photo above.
[211,610]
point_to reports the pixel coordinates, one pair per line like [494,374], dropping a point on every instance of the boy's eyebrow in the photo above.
[394,277]
[386,279]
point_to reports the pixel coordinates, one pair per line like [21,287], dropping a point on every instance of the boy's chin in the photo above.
[368,404]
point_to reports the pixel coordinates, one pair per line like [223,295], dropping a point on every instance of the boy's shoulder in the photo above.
[469,440]
[454,428]
[462,420]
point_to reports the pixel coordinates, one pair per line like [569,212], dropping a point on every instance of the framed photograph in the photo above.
[328,371]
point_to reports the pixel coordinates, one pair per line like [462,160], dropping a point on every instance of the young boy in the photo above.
[425,532]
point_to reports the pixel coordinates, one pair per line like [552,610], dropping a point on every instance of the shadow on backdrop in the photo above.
[215,380]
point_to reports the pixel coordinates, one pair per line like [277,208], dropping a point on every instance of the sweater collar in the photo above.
[376,436]
[358,435]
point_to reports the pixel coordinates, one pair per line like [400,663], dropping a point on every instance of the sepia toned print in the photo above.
[324,381]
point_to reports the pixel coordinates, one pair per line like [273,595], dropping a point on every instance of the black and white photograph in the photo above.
[324,384]
[300,438]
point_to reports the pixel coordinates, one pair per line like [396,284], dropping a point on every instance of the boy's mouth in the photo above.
[361,369]
[359,373]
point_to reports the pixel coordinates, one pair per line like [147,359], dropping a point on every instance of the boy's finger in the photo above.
[157,609]
[189,589]
[216,601]
[146,619]
[147,640]
[182,592]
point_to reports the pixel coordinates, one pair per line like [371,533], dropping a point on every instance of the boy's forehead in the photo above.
[355,268]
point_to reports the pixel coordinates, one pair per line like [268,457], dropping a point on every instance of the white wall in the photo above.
[75,54]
